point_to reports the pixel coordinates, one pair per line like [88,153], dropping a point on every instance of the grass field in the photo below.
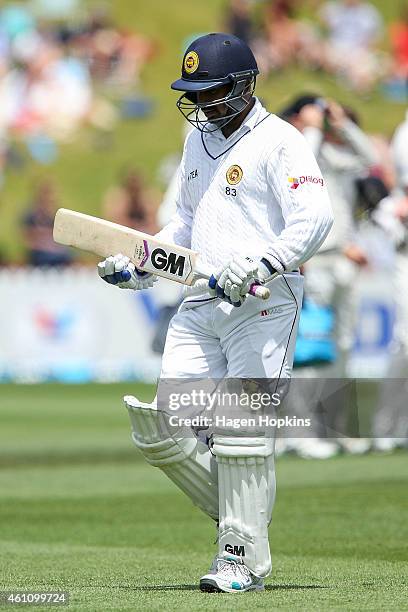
[80,511]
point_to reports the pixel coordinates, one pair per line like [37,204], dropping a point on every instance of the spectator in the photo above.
[286,39]
[399,44]
[238,20]
[131,204]
[37,230]
[49,69]
[354,29]
[390,426]
[282,41]
[116,57]
[396,83]
[344,154]
[384,169]
[399,149]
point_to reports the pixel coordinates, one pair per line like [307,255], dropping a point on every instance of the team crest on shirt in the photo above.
[191,62]
[234,174]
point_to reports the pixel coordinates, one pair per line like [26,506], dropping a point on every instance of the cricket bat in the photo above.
[148,253]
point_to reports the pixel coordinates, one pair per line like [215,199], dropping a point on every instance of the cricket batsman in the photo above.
[252,201]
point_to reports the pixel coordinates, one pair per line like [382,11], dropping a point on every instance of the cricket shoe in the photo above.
[228,574]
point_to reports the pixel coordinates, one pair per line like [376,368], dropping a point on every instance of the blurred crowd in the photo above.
[345,38]
[61,67]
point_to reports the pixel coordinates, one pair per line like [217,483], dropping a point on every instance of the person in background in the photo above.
[344,154]
[37,227]
[115,55]
[132,204]
[399,45]
[399,148]
[354,28]
[238,20]
[390,427]
[281,43]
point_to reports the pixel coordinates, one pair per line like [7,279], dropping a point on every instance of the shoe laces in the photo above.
[227,566]
[230,566]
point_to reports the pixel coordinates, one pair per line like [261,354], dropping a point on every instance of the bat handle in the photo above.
[259,291]
[256,289]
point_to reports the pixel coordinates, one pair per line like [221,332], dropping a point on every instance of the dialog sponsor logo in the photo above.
[295,182]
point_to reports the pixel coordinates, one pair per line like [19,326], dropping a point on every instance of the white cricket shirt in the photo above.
[258,193]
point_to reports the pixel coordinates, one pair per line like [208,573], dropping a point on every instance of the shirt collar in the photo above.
[216,142]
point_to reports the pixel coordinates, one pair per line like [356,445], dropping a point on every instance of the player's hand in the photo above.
[312,115]
[232,282]
[120,271]
[336,115]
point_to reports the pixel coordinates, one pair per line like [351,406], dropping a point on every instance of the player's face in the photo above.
[215,111]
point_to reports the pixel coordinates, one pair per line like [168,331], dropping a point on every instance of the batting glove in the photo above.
[120,271]
[232,283]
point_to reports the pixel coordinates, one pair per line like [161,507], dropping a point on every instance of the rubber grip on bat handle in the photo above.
[256,289]
[259,291]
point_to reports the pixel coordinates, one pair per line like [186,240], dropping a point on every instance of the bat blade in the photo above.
[105,238]
[148,253]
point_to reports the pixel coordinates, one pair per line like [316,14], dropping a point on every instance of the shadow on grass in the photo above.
[292,587]
[194,587]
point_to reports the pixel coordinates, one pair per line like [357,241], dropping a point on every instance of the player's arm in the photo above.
[307,215]
[178,230]
[299,189]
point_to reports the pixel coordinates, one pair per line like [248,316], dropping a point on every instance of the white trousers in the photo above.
[214,339]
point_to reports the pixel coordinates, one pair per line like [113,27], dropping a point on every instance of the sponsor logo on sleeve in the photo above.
[295,182]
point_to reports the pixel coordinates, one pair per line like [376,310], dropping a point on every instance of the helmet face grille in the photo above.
[235,101]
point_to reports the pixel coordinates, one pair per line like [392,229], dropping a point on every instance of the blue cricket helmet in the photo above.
[210,62]
[213,60]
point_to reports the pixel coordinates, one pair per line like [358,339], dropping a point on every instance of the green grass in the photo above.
[83,173]
[81,511]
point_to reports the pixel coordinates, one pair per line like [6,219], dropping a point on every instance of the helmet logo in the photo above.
[234,174]
[191,62]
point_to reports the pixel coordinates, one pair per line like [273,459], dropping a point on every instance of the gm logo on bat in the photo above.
[168,262]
